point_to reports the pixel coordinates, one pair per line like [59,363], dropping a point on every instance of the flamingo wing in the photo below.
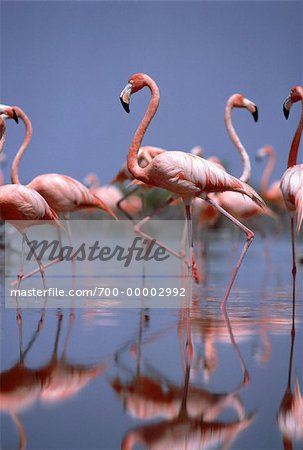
[18,202]
[190,175]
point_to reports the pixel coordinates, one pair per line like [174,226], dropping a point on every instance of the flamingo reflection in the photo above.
[58,380]
[189,413]
[290,414]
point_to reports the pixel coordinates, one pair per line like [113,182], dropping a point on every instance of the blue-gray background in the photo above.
[65,64]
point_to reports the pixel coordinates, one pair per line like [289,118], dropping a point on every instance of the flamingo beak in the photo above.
[8,113]
[251,108]
[255,114]
[15,117]
[125,96]
[286,107]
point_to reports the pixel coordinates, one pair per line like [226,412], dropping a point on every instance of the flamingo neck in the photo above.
[2,134]
[235,139]
[28,136]
[293,153]
[267,171]
[132,160]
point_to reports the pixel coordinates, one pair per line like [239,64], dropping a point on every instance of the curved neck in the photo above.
[132,160]
[235,139]
[267,171]
[24,145]
[293,153]
[2,134]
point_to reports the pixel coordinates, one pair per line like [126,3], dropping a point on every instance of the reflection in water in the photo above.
[21,387]
[290,415]
[191,413]
[187,378]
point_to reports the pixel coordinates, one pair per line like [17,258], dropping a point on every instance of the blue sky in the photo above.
[65,64]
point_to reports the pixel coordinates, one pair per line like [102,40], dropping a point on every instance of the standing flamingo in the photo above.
[292,179]
[181,173]
[272,194]
[238,206]
[63,193]
[21,203]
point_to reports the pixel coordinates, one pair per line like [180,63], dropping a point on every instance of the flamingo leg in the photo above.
[294,270]
[180,255]
[20,275]
[119,206]
[40,265]
[249,238]
[46,266]
[139,225]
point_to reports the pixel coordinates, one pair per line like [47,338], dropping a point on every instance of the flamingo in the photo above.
[292,179]
[21,203]
[238,206]
[63,193]
[290,414]
[181,173]
[112,195]
[272,194]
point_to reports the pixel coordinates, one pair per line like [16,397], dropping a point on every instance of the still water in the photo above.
[108,377]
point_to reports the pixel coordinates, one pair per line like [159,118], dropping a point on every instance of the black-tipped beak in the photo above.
[286,107]
[255,115]
[15,117]
[286,112]
[125,96]
[125,105]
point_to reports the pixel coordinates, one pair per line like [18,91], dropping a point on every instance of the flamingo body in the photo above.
[191,176]
[19,202]
[65,194]
[274,195]
[292,188]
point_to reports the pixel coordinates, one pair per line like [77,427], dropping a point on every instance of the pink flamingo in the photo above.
[112,195]
[21,203]
[181,173]
[238,206]
[63,193]
[272,194]
[292,179]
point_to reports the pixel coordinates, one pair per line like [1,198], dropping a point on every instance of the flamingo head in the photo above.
[296,94]
[7,112]
[91,180]
[135,83]
[264,151]
[239,101]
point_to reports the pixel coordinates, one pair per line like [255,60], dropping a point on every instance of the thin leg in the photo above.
[21,270]
[249,238]
[294,271]
[40,265]
[46,266]
[18,282]
[71,243]
[130,192]
[139,225]
[194,272]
